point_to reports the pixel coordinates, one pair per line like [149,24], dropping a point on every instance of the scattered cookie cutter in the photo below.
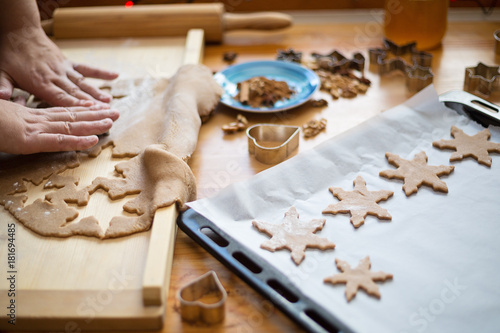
[194,310]
[272,144]
[289,55]
[418,74]
[496,35]
[482,78]
[336,61]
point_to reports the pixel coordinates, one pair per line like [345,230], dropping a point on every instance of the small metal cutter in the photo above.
[483,79]
[336,61]
[209,311]
[496,35]
[272,144]
[418,74]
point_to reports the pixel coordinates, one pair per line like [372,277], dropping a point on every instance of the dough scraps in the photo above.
[358,278]
[293,235]
[416,173]
[313,127]
[476,146]
[359,202]
[165,117]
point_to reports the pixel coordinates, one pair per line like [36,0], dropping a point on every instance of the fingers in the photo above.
[79,121]
[97,73]
[54,95]
[79,80]
[21,100]
[80,128]
[6,86]
[73,90]
[66,84]
[67,129]
[96,112]
[60,142]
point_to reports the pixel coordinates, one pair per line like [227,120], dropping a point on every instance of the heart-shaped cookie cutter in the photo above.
[192,306]
[272,144]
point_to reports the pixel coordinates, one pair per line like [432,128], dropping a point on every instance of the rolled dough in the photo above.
[157,130]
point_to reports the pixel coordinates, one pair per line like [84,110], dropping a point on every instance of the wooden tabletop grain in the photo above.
[223,159]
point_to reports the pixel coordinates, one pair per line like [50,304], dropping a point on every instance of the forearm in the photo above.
[19,15]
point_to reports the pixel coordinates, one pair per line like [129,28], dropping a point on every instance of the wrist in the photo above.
[19,16]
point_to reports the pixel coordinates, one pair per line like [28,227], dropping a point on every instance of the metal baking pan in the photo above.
[271,282]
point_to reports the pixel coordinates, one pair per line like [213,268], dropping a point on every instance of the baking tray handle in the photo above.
[259,274]
[476,108]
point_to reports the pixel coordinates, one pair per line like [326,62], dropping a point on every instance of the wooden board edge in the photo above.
[156,277]
[194,48]
[159,258]
[82,310]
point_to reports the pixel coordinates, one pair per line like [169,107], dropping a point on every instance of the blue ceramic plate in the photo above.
[302,80]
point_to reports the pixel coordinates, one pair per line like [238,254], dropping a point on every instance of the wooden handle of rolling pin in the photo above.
[157,20]
[256,21]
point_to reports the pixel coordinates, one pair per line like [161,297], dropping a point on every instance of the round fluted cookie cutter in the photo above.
[271,143]
[203,300]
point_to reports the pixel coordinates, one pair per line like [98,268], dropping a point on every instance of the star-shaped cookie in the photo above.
[416,173]
[359,202]
[293,235]
[358,278]
[476,146]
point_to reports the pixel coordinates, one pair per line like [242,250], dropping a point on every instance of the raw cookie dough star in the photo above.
[476,146]
[416,173]
[358,278]
[359,202]
[293,235]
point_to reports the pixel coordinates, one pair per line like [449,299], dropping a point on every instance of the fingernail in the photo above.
[100,105]
[92,140]
[86,102]
[105,98]
[115,114]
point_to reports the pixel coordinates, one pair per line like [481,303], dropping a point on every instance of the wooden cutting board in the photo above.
[81,282]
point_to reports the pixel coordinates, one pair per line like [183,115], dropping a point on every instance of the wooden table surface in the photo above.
[223,159]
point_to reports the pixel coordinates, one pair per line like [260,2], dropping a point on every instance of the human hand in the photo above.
[39,67]
[25,130]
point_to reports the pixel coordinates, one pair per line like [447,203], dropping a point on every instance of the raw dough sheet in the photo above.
[443,249]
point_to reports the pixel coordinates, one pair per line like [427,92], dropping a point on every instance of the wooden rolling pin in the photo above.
[157,20]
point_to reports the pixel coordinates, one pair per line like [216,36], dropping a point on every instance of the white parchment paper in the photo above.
[443,249]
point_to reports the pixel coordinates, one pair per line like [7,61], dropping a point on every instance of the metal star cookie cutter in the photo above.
[210,310]
[272,144]
[482,78]
[418,74]
[289,55]
[336,61]
[496,35]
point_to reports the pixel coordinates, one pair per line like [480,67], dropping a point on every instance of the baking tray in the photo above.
[271,282]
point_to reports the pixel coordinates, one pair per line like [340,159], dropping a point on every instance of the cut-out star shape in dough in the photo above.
[359,202]
[357,278]
[476,146]
[417,172]
[293,235]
